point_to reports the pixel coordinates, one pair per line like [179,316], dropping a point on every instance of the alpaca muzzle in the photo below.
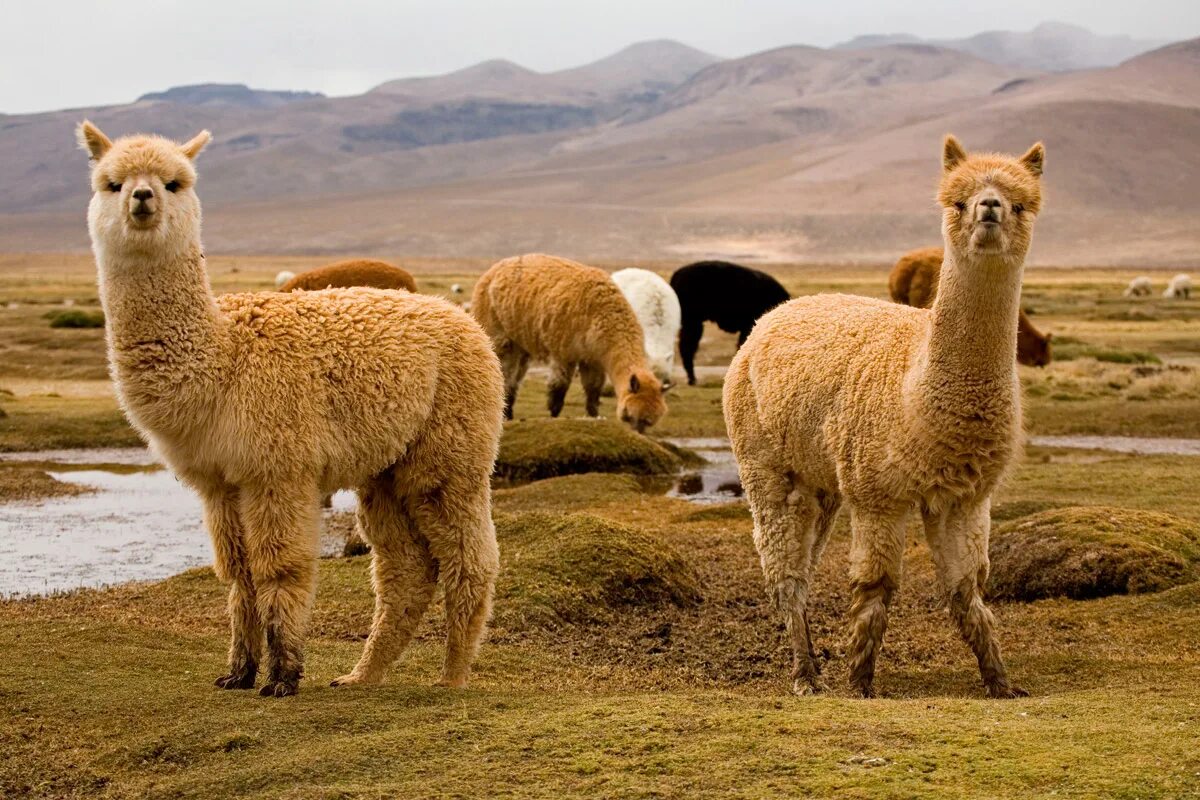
[143,206]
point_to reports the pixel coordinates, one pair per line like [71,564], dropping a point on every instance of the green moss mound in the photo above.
[568,492]
[565,569]
[545,448]
[76,318]
[1085,552]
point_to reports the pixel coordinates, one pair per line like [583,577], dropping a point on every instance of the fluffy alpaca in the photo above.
[574,316]
[1139,287]
[730,295]
[657,308]
[1180,286]
[914,282]
[282,277]
[892,410]
[261,402]
[354,272]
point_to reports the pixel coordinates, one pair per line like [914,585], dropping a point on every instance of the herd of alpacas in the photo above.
[265,402]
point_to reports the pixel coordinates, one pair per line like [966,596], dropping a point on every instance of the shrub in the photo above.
[76,318]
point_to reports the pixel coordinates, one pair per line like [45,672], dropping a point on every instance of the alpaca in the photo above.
[1138,287]
[261,402]
[914,282]
[574,316]
[730,295]
[657,308]
[893,410]
[1179,286]
[354,272]
[282,277]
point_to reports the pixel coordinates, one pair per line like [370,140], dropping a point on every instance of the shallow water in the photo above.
[714,482]
[134,527]
[1123,444]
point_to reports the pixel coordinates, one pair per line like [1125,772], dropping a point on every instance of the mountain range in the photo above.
[658,152]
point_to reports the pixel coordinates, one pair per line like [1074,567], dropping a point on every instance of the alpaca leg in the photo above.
[592,378]
[281,522]
[958,541]
[404,577]
[246,631]
[513,362]
[785,519]
[876,550]
[556,388]
[829,503]
[457,522]
[690,334]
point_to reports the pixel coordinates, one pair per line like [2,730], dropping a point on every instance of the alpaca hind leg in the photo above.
[785,517]
[514,361]
[557,385]
[876,552]
[690,334]
[281,522]
[403,575]
[829,503]
[456,520]
[246,632]
[592,378]
[958,540]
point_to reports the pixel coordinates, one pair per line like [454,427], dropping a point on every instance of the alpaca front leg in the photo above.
[557,386]
[513,363]
[231,565]
[958,541]
[281,534]
[689,340]
[592,378]
[876,552]
[403,575]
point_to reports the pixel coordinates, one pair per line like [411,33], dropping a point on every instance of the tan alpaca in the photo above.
[262,402]
[893,410]
[914,281]
[352,272]
[551,309]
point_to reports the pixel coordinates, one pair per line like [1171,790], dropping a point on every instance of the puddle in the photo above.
[1123,444]
[136,526]
[714,482]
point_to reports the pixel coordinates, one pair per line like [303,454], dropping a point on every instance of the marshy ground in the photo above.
[633,653]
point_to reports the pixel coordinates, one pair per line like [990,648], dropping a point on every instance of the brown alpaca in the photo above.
[551,309]
[914,282]
[894,411]
[354,272]
[263,402]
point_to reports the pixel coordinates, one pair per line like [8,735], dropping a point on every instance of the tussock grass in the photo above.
[546,448]
[75,318]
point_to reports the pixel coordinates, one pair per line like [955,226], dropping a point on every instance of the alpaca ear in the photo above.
[952,153]
[193,146]
[1035,159]
[635,385]
[93,140]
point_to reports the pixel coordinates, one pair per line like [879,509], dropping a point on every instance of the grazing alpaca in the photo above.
[914,282]
[282,277]
[262,402]
[1139,287]
[354,272]
[551,309]
[657,308]
[1180,286]
[892,410]
[730,295]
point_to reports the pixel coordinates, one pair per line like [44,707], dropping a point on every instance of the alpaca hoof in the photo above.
[453,683]
[866,692]
[278,689]
[236,680]
[352,679]
[804,687]
[1005,692]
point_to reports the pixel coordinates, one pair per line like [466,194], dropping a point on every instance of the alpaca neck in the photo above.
[620,362]
[972,339]
[162,321]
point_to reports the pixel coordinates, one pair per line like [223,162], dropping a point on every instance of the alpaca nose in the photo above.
[990,209]
[987,201]
[143,194]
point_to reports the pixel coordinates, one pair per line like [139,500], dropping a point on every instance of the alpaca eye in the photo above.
[171,186]
[1018,208]
[114,187]
[960,206]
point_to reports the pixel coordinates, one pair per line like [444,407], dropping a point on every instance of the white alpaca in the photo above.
[1138,287]
[1179,287]
[657,308]
[283,277]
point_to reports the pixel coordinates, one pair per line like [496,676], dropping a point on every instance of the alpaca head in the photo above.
[989,201]
[640,400]
[143,198]
[1033,348]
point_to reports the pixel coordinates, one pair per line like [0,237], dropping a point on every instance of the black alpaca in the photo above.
[730,295]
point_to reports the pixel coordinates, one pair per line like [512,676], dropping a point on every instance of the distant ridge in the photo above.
[228,94]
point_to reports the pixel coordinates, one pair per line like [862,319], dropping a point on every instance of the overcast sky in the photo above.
[72,53]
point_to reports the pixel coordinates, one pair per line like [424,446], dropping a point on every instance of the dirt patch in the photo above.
[545,448]
[22,483]
[1087,552]
[566,569]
